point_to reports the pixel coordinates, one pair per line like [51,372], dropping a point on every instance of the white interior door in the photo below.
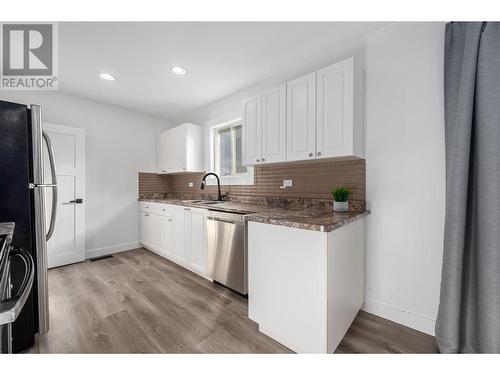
[67,244]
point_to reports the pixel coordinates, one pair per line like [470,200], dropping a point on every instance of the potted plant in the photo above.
[341,196]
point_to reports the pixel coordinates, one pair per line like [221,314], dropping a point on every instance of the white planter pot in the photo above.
[341,206]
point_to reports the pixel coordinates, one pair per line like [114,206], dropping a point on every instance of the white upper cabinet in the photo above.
[337,132]
[252,129]
[264,124]
[180,149]
[301,118]
[274,125]
[319,115]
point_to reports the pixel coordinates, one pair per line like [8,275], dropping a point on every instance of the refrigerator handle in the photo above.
[53,186]
[39,217]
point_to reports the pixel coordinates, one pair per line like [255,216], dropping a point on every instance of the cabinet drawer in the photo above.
[165,209]
[150,207]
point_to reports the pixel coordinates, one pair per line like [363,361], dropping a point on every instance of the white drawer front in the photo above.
[165,209]
[150,207]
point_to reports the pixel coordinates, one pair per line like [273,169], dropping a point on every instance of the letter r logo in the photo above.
[27,50]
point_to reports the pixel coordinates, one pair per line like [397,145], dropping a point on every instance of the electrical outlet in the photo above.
[287,183]
[190,184]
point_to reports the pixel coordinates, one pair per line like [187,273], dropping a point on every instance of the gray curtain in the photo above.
[469,312]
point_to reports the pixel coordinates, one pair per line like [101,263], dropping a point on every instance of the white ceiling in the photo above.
[221,58]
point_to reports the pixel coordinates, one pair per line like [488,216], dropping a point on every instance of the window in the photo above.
[228,150]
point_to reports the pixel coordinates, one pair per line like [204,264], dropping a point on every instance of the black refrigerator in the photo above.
[24,147]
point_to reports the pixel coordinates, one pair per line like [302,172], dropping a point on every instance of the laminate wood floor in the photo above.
[139,302]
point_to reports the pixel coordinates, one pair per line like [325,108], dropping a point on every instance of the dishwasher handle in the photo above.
[225,220]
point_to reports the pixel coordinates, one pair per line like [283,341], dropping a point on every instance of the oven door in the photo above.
[5,329]
[11,305]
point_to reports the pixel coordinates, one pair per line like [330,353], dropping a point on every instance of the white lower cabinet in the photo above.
[305,287]
[178,233]
[148,229]
[165,243]
[197,240]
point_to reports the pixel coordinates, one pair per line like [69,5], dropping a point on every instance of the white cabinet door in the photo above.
[301,118]
[335,110]
[152,225]
[143,229]
[148,229]
[274,125]
[197,239]
[180,149]
[165,238]
[163,150]
[178,144]
[179,249]
[252,130]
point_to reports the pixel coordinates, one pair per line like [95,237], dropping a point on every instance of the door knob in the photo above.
[318,153]
[310,154]
[77,201]
[263,159]
[258,160]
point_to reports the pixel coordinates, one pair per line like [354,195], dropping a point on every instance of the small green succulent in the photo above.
[341,194]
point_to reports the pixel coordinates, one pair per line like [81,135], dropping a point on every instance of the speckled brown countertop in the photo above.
[310,218]
[319,219]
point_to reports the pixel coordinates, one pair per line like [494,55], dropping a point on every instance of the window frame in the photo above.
[246,178]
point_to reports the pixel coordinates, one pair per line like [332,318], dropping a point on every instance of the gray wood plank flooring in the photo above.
[139,302]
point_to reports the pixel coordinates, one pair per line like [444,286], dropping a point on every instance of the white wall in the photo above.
[405,172]
[119,143]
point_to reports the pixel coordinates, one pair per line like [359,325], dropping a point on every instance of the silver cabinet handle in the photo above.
[146,214]
[187,209]
[11,307]
[310,154]
[54,188]
[318,153]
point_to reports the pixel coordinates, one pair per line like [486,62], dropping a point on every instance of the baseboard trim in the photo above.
[92,253]
[396,314]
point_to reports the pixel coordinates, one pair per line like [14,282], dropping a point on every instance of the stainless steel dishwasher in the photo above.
[227,250]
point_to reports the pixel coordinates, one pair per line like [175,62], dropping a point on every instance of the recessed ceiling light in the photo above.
[107,76]
[179,70]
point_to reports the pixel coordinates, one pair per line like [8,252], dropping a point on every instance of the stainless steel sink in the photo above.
[201,201]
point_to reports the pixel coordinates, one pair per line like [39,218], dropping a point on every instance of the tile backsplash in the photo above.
[311,179]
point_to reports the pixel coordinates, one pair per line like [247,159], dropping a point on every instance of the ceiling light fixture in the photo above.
[179,70]
[107,76]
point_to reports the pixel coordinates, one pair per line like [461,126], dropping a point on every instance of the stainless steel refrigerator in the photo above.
[23,146]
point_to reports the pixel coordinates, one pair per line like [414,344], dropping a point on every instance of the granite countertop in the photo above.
[318,219]
[310,218]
